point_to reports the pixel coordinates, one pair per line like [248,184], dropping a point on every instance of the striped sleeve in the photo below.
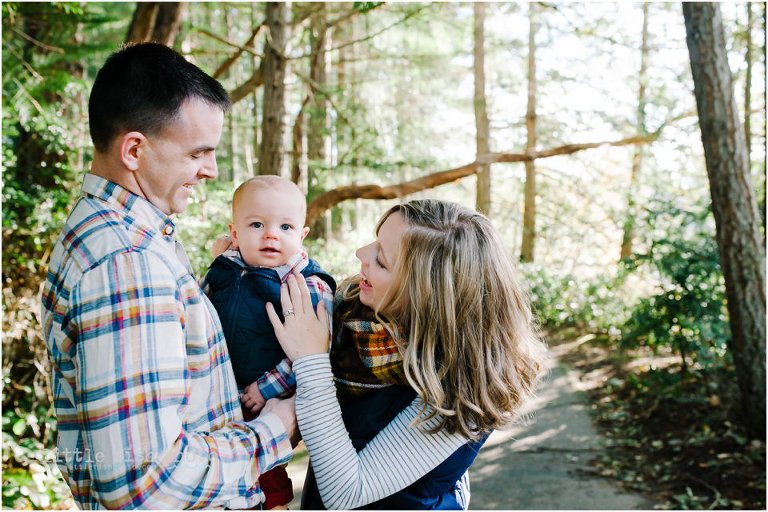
[398,456]
[133,378]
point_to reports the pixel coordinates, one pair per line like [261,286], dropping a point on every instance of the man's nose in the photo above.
[210,169]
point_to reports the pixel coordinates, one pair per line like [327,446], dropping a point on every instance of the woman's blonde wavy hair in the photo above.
[468,338]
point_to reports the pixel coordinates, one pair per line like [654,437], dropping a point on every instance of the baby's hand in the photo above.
[252,398]
[220,245]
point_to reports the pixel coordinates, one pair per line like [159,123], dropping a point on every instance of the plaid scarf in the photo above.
[365,356]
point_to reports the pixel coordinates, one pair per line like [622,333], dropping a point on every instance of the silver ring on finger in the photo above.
[288,312]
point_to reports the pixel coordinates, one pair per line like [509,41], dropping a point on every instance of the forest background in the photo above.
[572,125]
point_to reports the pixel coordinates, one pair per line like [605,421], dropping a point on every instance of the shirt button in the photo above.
[168,230]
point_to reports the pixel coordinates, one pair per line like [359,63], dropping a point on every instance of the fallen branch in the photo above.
[333,197]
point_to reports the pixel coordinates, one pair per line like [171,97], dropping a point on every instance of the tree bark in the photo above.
[155,21]
[742,255]
[483,199]
[748,86]
[229,174]
[298,164]
[143,22]
[167,22]
[637,158]
[318,109]
[529,213]
[273,123]
[333,197]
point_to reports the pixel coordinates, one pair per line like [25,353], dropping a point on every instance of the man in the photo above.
[147,407]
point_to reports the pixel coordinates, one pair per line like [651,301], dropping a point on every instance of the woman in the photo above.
[436,335]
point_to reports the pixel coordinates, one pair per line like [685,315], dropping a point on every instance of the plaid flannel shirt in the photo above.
[147,408]
[281,381]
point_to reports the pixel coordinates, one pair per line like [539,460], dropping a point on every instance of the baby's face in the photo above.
[268,225]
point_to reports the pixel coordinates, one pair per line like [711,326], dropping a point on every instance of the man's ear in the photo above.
[131,146]
[304,233]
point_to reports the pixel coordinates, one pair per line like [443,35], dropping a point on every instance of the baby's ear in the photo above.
[232,235]
[304,232]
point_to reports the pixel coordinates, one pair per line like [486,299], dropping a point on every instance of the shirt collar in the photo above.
[136,207]
[296,262]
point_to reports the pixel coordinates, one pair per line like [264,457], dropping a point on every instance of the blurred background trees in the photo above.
[573,126]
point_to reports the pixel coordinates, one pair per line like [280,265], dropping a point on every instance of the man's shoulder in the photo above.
[95,232]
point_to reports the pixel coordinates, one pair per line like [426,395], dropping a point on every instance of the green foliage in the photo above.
[564,300]
[687,312]
[45,141]
[37,138]
[31,478]
[366,6]
[205,219]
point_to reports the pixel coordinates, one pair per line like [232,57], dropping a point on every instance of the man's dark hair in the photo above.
[141,87]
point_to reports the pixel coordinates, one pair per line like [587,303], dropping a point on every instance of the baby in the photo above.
[267,231]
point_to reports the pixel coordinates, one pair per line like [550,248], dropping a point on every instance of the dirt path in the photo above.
[541,463]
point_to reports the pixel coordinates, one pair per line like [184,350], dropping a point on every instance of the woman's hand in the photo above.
[305,330]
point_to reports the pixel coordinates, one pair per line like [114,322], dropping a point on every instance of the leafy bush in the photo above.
[567,300]
[31,478]
[687,313]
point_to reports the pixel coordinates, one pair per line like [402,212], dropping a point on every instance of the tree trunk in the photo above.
[742,255]
[273,124]
[483,199]
[228,175]
[318,110]
[256,64]
[748,86]
[143,22]
[298,163]
[155,21]
[761,200]
[637,159]
[167,22]
[529,214]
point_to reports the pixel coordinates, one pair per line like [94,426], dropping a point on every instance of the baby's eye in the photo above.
[286,227]
[256,225]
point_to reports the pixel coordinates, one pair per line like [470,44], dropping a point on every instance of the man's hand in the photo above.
[285,409]
[220,245]
[252,398]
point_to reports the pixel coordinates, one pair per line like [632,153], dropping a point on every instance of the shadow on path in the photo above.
[543,461]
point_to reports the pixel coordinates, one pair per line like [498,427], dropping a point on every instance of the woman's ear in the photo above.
[131,147]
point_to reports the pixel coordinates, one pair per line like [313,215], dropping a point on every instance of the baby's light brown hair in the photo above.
[268,181]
